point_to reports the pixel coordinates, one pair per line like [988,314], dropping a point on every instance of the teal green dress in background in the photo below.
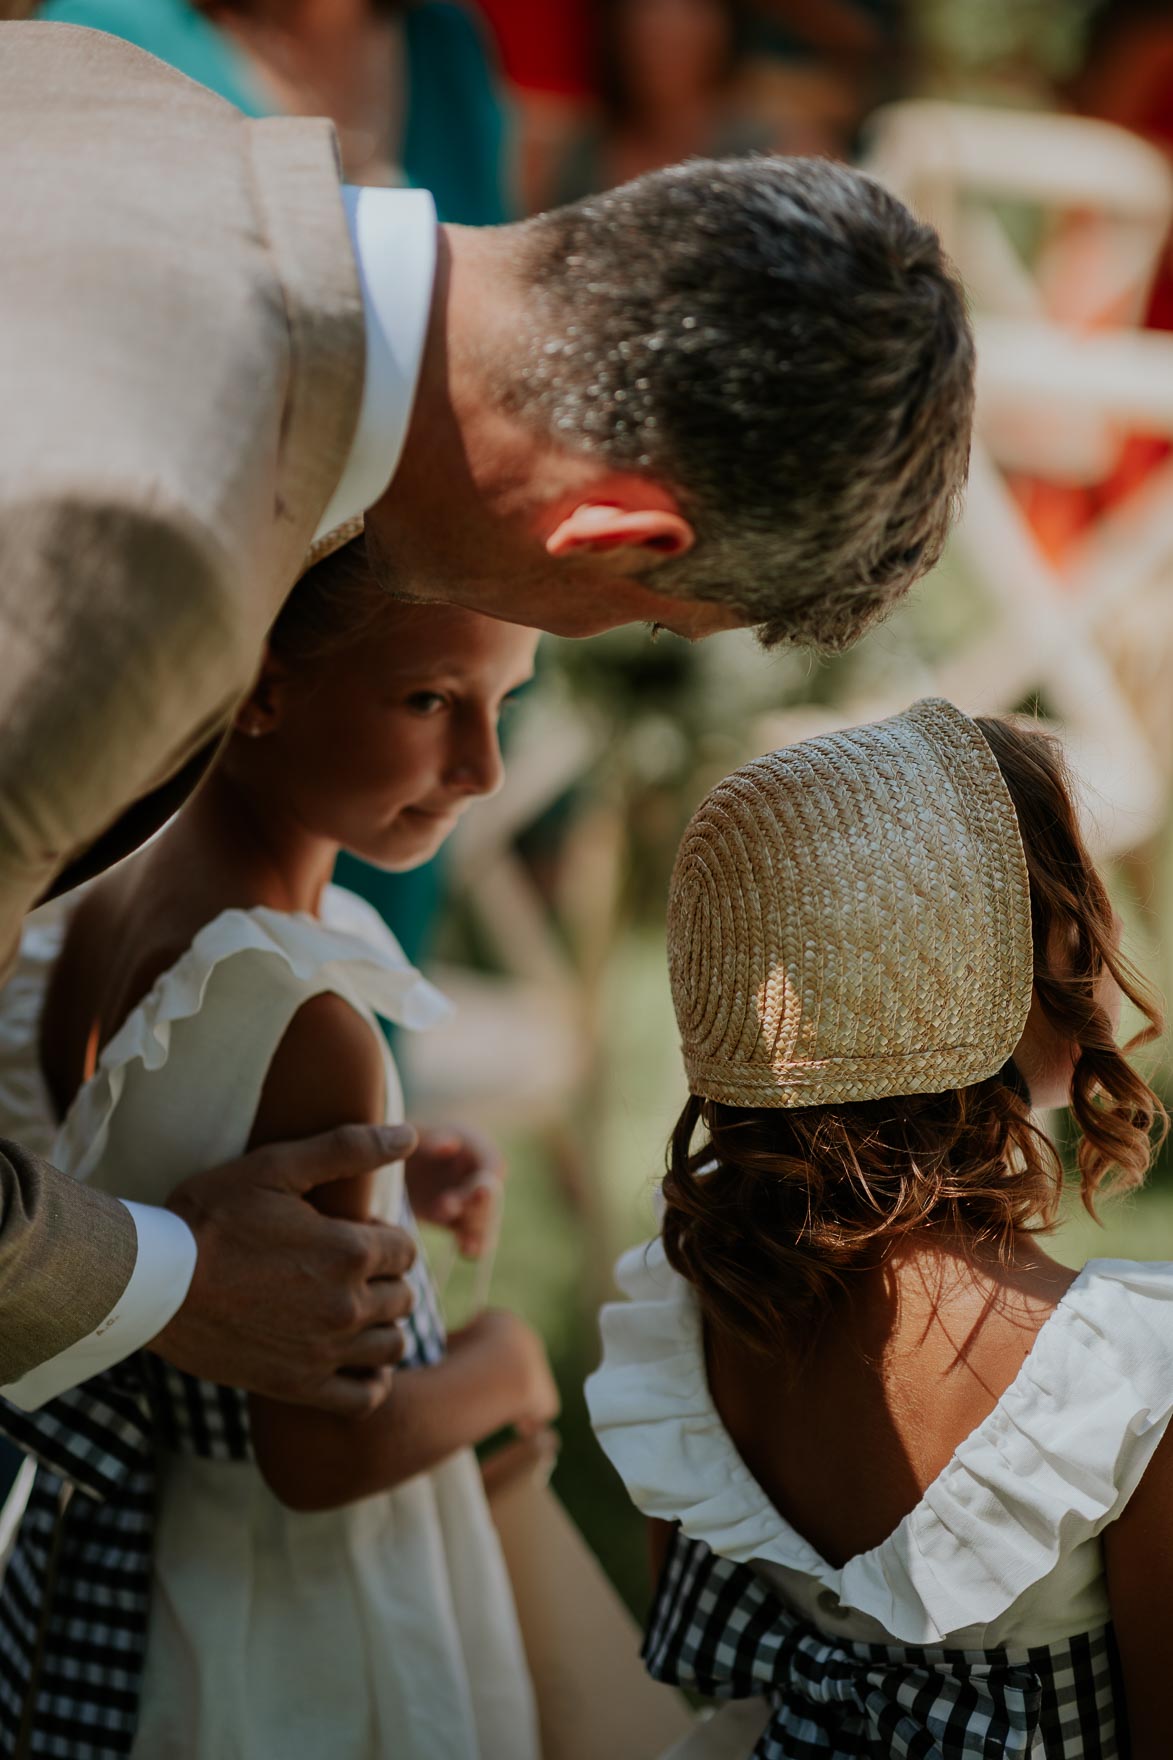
[454,135]
[177,34]
[453,145]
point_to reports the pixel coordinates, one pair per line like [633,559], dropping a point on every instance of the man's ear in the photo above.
[595,528]
[261,710]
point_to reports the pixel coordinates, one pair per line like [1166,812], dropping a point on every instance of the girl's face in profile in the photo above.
[381,744]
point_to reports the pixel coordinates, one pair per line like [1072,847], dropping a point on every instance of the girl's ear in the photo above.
[261,711]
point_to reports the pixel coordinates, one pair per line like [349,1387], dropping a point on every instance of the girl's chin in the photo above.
[404,848]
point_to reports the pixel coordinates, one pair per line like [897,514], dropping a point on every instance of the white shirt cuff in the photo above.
[163,1268]
[393,234]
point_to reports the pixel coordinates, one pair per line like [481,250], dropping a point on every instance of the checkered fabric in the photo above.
[716,1628]
[76,1595]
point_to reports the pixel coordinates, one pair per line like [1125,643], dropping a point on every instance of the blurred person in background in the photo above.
[821,66]
[410,88]
[666,72]
[1125,77]
[545,53]
[640,83]
[1127,71]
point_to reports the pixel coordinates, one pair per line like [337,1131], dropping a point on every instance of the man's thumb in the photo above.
[345,1153]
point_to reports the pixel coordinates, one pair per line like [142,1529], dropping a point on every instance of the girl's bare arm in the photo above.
[327,1071]
[659,1540]
[1138,1549]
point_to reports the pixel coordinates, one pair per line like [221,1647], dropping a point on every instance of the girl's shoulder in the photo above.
[265,954]
[1054,1462]
[210,1024]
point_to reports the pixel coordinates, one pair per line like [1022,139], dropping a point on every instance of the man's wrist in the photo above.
[165,1261]
[163,1271]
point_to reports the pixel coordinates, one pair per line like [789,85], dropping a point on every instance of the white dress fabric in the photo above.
[1002,1550]
[383,1628]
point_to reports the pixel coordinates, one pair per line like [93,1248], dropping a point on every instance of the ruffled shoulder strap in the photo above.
[1051,1466]
[651,1409]
[243,978]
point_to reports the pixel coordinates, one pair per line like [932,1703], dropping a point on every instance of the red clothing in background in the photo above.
[545,45]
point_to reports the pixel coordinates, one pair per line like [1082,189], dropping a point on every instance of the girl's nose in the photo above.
[476,766]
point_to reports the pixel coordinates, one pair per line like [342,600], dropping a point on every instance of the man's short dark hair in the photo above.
[783,344]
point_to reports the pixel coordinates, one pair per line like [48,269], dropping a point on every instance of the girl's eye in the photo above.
[425,702]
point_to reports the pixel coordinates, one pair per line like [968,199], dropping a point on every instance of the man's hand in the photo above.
[454,1179]
[286,1302]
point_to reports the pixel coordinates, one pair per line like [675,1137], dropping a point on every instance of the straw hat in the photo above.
[850,918]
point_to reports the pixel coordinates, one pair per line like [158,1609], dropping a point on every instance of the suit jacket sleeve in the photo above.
[182,353]
[66,1256]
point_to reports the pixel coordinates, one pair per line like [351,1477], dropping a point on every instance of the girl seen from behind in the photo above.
[909,1477]
[287,1583]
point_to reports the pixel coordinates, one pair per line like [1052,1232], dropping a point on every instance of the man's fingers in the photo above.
[383,1250]
[346,1396]
[384,1303]
[345,1153]
[379,1347]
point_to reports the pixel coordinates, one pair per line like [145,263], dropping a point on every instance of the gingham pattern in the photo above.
[76,1595]
[717,1629]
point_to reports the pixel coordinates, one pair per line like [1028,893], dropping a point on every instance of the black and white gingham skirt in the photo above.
[76,1595]
[717,1629]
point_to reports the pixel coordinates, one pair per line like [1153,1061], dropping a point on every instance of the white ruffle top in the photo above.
[274,1632]
[1003,1547]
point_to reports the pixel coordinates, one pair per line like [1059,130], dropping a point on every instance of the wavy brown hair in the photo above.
[766,1216]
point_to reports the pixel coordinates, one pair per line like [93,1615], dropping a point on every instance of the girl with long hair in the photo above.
[910,1478]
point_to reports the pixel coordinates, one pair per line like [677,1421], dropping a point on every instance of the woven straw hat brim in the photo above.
[849,919]
[332,540]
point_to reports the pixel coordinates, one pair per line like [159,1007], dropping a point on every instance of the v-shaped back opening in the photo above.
[808,1555]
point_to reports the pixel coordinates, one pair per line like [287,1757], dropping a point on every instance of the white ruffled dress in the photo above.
[1003,1550]
[383,1628]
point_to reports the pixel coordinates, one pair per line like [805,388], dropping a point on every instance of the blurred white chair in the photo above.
[1063,374]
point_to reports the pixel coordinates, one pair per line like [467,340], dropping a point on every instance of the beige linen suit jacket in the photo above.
[181,369]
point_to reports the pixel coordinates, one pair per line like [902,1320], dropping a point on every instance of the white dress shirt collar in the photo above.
[394,236]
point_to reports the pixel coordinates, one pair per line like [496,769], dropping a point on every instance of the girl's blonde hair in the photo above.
[777,1203]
